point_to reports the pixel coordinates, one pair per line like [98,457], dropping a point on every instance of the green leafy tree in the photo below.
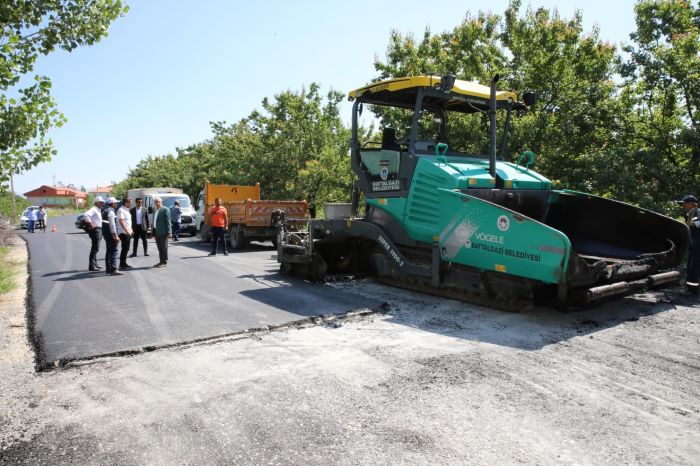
[661,99]
[297,148]
[470,52]
[28,30]
[6,206]
[571,71]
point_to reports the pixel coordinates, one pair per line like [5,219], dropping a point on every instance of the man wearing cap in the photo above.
[692,219]
[93,221]
[111,236]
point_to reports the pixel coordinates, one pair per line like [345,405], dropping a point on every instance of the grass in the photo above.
[7,271]
[56,211]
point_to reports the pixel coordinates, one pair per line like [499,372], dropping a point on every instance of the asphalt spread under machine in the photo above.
[476,227]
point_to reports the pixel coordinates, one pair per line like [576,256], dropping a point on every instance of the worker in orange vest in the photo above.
[219,220]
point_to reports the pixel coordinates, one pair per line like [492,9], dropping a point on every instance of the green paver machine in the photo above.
[476,227]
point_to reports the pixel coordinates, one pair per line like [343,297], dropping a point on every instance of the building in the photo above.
[104,191]
[56,196]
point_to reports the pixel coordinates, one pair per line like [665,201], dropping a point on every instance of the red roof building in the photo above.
[56,196]
[104,191]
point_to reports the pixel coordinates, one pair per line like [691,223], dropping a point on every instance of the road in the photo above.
[80,314]
[424,380]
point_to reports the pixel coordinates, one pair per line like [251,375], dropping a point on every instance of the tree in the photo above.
[538,50]
[28,30]
[572,73]
[470,52]
[661,95]
[297,147]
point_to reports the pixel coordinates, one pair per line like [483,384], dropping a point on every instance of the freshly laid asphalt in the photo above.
[80,314]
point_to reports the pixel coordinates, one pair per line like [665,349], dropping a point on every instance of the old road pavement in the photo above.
[80,314]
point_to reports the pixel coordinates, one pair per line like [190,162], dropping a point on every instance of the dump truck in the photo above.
[477,227]
[250,218]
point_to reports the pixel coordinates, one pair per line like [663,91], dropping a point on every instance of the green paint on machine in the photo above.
[490,237]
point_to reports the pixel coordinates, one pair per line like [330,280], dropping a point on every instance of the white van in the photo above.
[188,220]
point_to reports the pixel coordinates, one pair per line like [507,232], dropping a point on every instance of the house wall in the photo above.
[55,201]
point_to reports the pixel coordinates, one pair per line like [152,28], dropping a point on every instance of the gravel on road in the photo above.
[427,380]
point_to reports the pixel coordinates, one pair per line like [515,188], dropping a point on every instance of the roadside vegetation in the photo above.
[7,271]
[6,207]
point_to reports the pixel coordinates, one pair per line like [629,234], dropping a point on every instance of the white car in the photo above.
[24,221]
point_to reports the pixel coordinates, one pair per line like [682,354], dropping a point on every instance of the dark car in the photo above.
[81,223]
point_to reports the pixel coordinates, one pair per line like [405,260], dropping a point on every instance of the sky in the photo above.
[169,67]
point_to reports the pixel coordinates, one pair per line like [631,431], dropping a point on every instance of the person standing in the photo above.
[110,235]
[162,230]
[125,231]
[41,218]
[218,216]
[31,220]
[93,219]
[175,215]
[692,219]
[139,221]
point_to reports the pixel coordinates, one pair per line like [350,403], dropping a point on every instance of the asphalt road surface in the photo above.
[80,314]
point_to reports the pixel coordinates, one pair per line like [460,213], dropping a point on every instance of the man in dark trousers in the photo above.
[93,222]
[692,219]
[218,217]
[111,236]
[139,223]
[162,230]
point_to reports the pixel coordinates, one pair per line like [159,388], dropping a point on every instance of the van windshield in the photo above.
[170,201]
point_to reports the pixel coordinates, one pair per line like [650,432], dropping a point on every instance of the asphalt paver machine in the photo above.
[477,227]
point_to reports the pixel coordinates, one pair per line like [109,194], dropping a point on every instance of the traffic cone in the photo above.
[53,228]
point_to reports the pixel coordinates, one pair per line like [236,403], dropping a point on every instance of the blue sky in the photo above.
[168,68]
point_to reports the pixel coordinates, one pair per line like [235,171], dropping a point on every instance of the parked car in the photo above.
[24,221]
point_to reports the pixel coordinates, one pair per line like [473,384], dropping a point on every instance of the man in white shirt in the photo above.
[125,232]
[93,218]
[139,222]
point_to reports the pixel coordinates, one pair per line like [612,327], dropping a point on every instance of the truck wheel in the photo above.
[204,233]
[236,237]
[317,268]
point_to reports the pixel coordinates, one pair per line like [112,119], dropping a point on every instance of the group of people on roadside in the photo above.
[120,223]
[36,219]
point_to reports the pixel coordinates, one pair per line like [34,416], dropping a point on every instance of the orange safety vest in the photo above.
[218,216]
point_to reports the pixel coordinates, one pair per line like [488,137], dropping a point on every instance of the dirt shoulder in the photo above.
[16,355]
[428,381]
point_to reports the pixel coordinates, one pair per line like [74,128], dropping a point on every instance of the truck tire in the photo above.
[236,238]
[204,233]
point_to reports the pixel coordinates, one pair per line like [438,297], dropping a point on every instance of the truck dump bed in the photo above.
[249,217]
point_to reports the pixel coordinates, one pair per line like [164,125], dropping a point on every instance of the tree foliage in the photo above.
[28,30]
[621,124]
[296,147]
[661,97]
[624,127]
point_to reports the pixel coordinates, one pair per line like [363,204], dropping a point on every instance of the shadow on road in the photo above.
[533,329]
